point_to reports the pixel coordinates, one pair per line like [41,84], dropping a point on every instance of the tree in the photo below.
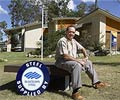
[3,25]
[50,41]
[58,8]
[81,9]
[53,10]
[14,40]
[24,12]
[62,4]
[28,11]
[91,7]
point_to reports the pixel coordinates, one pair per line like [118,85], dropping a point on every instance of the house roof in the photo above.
[66,18]
[101,11]
[21,27]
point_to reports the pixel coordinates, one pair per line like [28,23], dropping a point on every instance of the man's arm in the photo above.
[84,53]
[81,48]
[70,58]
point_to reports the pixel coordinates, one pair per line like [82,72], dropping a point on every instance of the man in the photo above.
[66,53]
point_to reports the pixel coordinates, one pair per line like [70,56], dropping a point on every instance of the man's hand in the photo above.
[86,58]
[82,61]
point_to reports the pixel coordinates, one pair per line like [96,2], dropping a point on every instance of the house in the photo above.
[98,26]
[2,46]
[60,23]
[26,37]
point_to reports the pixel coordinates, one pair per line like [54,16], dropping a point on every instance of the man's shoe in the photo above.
[101,85]
[77,96]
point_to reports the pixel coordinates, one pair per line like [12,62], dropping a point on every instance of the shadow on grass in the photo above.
[89,86]
[9,86]
[60,90]
[53,88]
[109,63]
[56,87]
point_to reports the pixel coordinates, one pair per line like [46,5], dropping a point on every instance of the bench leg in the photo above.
[67,82]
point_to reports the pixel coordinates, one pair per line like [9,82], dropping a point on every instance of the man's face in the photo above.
[70,33]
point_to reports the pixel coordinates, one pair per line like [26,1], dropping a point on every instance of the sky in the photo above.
[113,6]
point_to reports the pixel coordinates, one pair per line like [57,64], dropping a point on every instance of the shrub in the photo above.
[50,41]
[101,52]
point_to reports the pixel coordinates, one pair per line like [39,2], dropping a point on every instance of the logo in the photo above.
[31,75]
[32,78]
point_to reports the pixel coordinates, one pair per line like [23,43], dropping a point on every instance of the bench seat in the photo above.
[53,71]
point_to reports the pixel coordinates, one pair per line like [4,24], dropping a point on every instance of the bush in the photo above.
[50,41]
[35,53]
[101,52]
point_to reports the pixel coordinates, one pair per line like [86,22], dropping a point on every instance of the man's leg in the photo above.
[93,76]
[90,70]
[75,69]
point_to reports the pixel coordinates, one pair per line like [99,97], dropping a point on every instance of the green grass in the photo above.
[107,67]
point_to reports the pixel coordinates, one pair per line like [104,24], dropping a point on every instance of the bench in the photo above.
[53,71]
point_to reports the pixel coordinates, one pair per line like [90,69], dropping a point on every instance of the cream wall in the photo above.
[95,24]
[95,27]
[31,38]
[102,36]
[98,26]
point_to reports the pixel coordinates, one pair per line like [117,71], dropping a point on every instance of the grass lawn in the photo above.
[107,67]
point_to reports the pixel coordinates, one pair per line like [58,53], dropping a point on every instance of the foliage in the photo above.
[3,25]
[82,8]
[38,43]
[3,60]
[28,11]
[35,52]
[92,45]
[24,12]
[101,52]
[63,8]
[14,40]
[50,41]
[91,7]
[58,8]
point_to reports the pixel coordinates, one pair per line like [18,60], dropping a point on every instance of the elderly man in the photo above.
[66,53]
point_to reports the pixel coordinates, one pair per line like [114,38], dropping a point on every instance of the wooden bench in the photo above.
[53,70]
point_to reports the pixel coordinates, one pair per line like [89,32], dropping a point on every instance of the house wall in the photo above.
[102,30]
[112,25]
[51,26]
[31,37]
[95,27]
[98,26]
[102,23]
[118,41]
[62,24]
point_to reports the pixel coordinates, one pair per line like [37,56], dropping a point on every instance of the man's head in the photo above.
[70,32]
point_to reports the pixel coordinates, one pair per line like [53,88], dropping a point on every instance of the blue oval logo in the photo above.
[32,78]
[31,75]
